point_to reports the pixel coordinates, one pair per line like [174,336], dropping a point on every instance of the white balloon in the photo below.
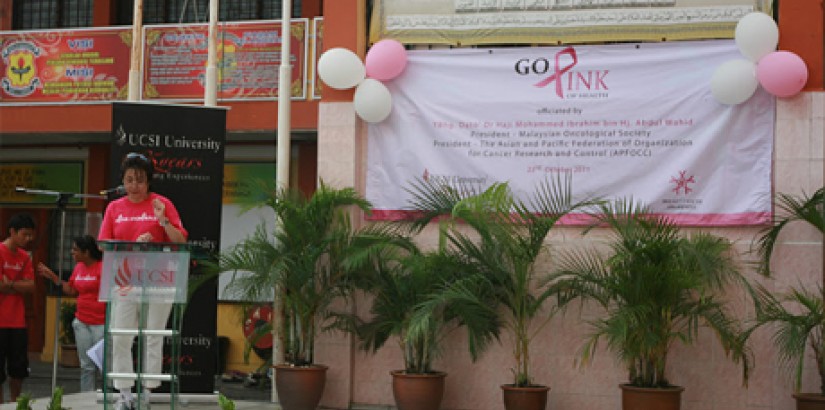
[340,68]
[372,101]
[756,35]
[734,81]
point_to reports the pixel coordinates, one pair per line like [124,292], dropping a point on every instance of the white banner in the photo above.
[628,120]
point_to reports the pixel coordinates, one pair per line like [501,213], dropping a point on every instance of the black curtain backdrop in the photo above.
[186,145]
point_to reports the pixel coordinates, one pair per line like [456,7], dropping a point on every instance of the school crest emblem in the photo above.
[20,76]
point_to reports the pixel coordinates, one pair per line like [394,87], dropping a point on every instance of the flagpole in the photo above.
[134,61]
[282,169]
[210,89]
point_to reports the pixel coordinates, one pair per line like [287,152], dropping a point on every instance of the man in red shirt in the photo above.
[16,280]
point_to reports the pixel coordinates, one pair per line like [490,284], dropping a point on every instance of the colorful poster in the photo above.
[249,54]
[626,120]
[174,61]
[317,50]
[52,176]
[473,22]
[87,65]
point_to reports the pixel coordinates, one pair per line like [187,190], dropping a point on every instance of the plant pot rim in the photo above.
[435,373]
[533,387]
[292,366]
[627,386]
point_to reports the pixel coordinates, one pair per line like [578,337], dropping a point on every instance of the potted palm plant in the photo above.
[658,287]
[799,314]
[506,237]
[399,283]
[302,261]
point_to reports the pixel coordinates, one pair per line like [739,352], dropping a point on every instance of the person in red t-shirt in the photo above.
[140,216]
[16,280]
[90,316]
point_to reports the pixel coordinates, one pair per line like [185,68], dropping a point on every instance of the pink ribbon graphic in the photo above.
[560,71]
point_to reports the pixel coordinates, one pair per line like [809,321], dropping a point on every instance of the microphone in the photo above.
[119,190]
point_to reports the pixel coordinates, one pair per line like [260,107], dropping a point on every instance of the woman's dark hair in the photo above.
[88,243]
[136,160]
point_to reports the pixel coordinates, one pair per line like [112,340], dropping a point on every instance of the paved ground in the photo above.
[39,385]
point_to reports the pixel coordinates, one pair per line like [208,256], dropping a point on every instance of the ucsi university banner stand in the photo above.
[186,145]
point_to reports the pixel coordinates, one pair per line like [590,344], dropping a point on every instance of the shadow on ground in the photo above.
[39,383]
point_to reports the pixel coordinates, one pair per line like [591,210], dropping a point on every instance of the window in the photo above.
[45,14]
[77,224]
[197,11]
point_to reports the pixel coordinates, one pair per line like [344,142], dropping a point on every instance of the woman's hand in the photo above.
[160,211]
[144,237]
[47,273]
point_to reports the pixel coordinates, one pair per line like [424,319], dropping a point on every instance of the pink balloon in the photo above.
[782,73]
[386,60]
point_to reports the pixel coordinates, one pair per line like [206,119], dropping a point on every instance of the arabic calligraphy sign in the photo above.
[469,22]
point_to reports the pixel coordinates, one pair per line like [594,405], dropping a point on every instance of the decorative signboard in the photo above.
[470,22]
[55,66]
[249,54]
[317,49]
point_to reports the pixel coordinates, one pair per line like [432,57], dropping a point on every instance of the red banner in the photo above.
[317,49]
[64,65]
[248,60]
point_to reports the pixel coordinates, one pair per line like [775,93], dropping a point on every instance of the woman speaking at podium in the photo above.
[140,216]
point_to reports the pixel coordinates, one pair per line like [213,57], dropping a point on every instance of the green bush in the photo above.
[67,311]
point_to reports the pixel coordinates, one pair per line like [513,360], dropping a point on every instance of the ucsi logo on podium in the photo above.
[145,276]
[132,272]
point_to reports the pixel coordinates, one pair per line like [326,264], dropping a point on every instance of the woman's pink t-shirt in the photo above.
[125,220]
[86,280]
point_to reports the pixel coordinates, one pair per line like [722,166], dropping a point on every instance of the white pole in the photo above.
[210,91]
[282,164]
[137,52]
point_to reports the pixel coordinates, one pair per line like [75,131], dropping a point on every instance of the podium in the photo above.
[145,285]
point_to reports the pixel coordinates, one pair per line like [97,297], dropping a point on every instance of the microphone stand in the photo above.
[62,200]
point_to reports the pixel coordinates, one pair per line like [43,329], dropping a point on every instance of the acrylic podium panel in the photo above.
[140,275]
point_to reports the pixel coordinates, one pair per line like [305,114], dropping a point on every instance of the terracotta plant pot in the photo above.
[68,356]
[418,391]
[524,398]
[300,388]
[648,398]
[809,401]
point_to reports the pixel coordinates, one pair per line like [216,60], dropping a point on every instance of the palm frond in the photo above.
[810,209]
[657,287]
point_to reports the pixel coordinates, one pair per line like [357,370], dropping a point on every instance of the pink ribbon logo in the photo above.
[559,71]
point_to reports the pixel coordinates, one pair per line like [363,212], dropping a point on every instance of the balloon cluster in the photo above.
[780,73]
[341,69]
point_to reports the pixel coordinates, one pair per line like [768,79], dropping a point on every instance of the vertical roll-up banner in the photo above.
[186,145]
